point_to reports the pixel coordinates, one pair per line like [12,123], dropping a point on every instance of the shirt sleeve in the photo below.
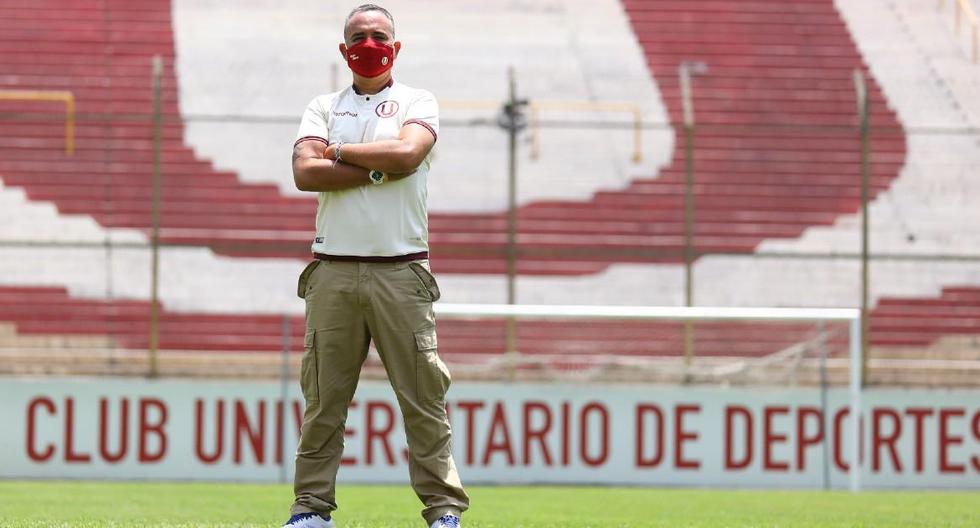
[424,111]
[314,123]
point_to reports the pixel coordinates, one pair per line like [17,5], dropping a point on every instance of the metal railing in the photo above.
[65,97]
[961,9]
[536,107]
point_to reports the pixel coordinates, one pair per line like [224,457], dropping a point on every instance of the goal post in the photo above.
[851,316]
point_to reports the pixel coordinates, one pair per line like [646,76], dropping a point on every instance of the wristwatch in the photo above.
[338,157]
[377,177]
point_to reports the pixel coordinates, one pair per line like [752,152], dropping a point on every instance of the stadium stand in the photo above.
[929,209]
[753,181]
[776,156]
[51,311]
[47,331]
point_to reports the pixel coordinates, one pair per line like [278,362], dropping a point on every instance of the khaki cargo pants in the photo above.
[347,305]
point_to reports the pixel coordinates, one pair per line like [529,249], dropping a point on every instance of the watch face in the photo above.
[377,176]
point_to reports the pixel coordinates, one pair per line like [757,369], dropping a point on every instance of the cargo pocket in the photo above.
[428,280]
[309,369]
[304,279]
[432,379]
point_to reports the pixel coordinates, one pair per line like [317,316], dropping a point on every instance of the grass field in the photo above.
[103,504]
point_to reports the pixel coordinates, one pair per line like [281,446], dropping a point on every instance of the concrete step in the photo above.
[11,339]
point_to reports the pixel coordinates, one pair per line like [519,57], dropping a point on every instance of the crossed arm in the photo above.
[315,167]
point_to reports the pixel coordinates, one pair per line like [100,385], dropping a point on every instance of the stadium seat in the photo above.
[777,166]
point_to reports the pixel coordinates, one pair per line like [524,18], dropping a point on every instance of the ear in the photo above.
[398,47]
[343,50]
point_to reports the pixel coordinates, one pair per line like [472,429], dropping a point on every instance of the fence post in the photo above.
[855,386]
[685,71]
[861,87]
[155,222]
[284,392]
[513,121]
[825,444]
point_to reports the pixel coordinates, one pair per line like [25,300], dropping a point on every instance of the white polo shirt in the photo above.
[384,220]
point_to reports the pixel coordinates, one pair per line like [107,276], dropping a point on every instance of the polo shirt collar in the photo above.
[371,97]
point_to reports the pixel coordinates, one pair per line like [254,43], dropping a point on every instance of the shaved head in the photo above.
[366,8]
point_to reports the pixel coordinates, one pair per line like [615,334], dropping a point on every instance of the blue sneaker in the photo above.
[446,521]
[310,520]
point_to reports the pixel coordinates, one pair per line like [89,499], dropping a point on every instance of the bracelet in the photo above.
[337,155]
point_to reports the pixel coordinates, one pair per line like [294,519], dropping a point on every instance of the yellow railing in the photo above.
[963,8]
[588,106]
[536,107]
[45,95]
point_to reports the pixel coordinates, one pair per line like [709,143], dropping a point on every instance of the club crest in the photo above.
[386,108]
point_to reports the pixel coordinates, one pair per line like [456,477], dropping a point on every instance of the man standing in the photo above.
[366,151]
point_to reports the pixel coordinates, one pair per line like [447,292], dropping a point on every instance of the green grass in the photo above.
[129,504]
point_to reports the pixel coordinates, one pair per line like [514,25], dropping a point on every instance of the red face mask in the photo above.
[370,58]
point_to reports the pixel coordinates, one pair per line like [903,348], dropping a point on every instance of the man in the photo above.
[366,151]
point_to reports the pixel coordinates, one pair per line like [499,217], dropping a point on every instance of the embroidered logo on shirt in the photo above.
[387,108]
[345,114]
